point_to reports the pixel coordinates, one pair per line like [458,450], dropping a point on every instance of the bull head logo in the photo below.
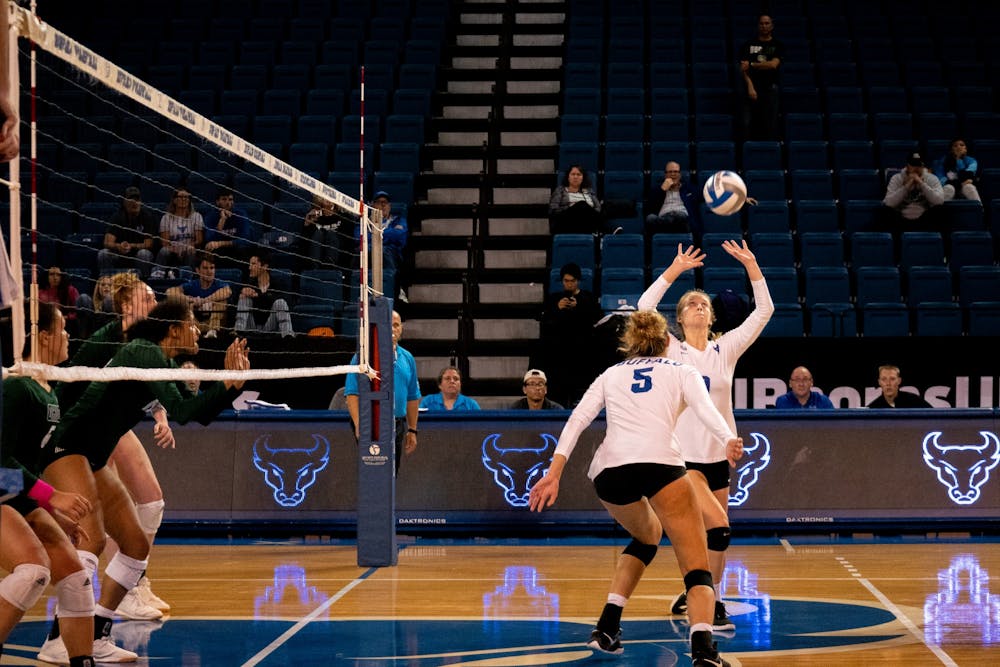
[516,470]
[754,460]
[290,470]
[963,469]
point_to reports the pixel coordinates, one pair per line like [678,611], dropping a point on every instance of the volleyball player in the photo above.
[132,300]
[638,473]
[77,454]
[31,541]
[715,358]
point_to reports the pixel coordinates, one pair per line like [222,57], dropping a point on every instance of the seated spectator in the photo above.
[801,395]
[194,386]
[61,292]
[182,232]
[673,206]
[227,230]
[889,380]
[322,237]
[450,396]
[567,337]
[574,207]
[911,199]
[395,235]
[535,387]
[958,172]
[258,308]
[207,295]
[129,237]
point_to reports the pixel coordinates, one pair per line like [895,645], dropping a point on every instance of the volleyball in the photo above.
[725,192]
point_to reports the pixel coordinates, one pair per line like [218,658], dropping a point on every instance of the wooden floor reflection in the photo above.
[795,602]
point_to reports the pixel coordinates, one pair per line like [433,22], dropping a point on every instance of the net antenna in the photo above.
[100,71]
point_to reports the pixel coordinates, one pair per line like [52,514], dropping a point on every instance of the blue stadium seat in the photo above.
[584,128]
[412,101]
[782,283]
[625,100]
[669,127]
[844,99]
[628,128]
[859,184]
[663,248]
[937,125]
[713,100]
[892,125]
[978,283]
[848,127]
[762,155]
[984,318]
[768,216]
[821,249]
[816,215]
[712,156]
[801,99]
[939,318]
[804,127]
[880,73]
[766,185]
[871,249]
[398,184]
[785,322]
[404,129]
[272,129]
[310,157]
[878,284]
[664,72]
[811,184]
[623,280]
[684,284]
[418,76]
[713,127]
[928,284]
[624,186]
[773,249]
[711,244]
[921,249]
[727,225]
[585,100]
[623,156]
[973,99]
[930,98]
[376,102]
[581,75]
[710,74]
[626,75]
[885,320]
[970,248]
[350,129]
[807,155]
[622,250]
[576,248]
[892,152]
[965,215]
[833,319]
[826,284]
[239,102]
[716,279]
[319,127]
[613,302]
[798,74]
[835,73]
[661,152]
[887,99]
[399,157]
[851,154]
[581,153]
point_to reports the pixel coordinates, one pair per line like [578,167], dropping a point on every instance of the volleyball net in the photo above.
[96,137]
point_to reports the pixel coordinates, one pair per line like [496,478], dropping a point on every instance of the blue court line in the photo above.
[290,632]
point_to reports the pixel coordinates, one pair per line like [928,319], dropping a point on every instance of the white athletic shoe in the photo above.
[106,651]
[54,651]
[135,635]
[147,595]
[132,608]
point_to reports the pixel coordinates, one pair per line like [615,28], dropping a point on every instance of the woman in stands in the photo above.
[132,300]
[958,172]
[77,454]
[32,539]
[574,207]
[638,473]
[182,233]
[715,358]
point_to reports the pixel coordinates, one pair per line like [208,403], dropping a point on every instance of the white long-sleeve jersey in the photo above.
[717,364]
[643,398]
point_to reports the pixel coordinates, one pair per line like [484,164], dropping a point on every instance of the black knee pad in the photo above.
[644,552]
[718,538]
[698,578]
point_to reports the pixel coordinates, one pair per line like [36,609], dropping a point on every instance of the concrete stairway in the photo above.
[480,236]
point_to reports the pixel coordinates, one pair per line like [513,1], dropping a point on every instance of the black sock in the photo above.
[701,642]
[102,627]
[82,661]
[610,621]
[54,631]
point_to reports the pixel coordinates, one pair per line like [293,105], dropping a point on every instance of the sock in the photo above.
[701,640]
[610,621]
[54,630]
[718,593]
[701,627]
[82,661]
[102,624]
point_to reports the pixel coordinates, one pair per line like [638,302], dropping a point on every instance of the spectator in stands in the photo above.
[62,293]
[911,198]
[567,337]
[574,207]
[10,141]
[129,237]
[889,380]
[206,295]
[958,172]
[450,396]
[101,307]
[194,386]
[535,387]
[227,230]
[760,59]
[405,395]
[322,238]
[182,233]
[259,308]
[801,395]
[395,234]
[673,206]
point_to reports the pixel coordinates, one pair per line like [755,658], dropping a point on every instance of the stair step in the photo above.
[518,226]
[553,62]
[522,166]
[466,111]
[531,111]
[446,227]
[441,259]
[481,19]
[546,18]
[472,87]
[477,40]
[534,87]
[435,293]
[508,329]
[510,293]
[528,138]
[420,329]
[466,138]
[538,40]
[453,195]
[452,166]
[514,259]
[429,367]
[497,368]
[521,195]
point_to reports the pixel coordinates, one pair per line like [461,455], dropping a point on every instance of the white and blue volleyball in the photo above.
[725,192]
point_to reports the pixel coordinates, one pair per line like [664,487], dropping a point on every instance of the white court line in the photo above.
[903,618]
[787,545]
[290,632]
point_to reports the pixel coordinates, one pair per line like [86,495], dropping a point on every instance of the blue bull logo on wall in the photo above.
[516,470]
[963,469]
[289,471]
[755,459]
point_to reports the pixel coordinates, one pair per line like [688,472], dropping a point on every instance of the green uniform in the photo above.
[96,352]
[108,410]
[30,413]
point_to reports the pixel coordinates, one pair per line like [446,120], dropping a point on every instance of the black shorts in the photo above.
[716,473]
[632,482]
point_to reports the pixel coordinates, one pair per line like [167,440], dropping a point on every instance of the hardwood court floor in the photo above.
[801,601]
